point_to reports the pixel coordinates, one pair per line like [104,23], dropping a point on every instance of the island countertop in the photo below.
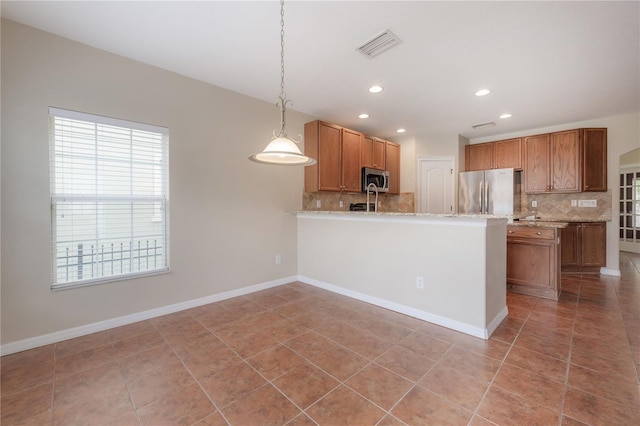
[402,214]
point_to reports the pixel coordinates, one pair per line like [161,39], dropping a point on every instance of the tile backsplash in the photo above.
[330,201]
[550,206]
[558,206]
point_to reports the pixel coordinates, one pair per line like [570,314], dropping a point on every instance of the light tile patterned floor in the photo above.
[299,355]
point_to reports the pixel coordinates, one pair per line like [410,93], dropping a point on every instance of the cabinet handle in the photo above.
[586,186]
[538,233]
[511,232]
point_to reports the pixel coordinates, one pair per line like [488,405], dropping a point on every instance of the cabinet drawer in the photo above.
[530,232]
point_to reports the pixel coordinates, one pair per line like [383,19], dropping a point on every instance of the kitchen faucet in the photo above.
[375,188]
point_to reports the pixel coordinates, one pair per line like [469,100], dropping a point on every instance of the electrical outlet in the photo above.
[318,204]
[420,282]
[341,204]
[534,203]
[588,203]
[574,203]
[278,259]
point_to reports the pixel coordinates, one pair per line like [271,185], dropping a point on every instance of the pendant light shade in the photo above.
[282,150]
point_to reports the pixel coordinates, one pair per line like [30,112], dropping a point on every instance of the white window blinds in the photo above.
[109,198]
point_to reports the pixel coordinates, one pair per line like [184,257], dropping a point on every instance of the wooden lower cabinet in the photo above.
[583,247]
[533,261]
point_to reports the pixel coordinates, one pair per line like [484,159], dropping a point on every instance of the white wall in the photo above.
[227,214]
[623,135]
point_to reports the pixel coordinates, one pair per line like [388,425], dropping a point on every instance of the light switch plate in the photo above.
[574,203]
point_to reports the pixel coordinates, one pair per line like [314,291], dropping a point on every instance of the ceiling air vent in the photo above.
[481,125]
[383,41]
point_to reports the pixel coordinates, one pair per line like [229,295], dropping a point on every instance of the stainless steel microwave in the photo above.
[380,178]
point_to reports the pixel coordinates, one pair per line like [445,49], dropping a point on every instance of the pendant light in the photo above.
[282,150]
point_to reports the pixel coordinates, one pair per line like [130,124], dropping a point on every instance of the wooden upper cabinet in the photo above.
[373,153]
[327,140]
[479,157]
[392,154]
[594,160]
[507,154]
[338,153]
[536,163]
[341,154]
[552,162]
[565,161]
[351,160]
[494,155]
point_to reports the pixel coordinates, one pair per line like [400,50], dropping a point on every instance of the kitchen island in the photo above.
[383,258]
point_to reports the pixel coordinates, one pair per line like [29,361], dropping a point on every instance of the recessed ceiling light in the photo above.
[363,116]
[507,115]
[401,130]
[483,92]
[375,89]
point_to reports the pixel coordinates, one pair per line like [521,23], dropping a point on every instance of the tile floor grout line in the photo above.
[199,385]
[566,374]
[486,391]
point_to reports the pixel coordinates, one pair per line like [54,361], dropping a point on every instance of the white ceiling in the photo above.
[546,63]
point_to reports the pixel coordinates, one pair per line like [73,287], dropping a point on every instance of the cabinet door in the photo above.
[373,153]
[565,161]
[329,157]
[507,154]
[594,160]
[351,160]
[536,163]
[529,263]
[379,155]
[570,245]
[393,166]
[594,248]
[478,157]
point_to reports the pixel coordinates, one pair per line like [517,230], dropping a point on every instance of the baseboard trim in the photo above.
[59,336]
[608,271]
[483,333]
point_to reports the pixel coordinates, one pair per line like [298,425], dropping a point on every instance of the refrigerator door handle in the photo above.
[486,197]
[480,199]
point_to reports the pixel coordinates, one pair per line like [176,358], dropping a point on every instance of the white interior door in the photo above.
[436,185]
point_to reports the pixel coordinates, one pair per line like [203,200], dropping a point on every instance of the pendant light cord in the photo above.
[282,94]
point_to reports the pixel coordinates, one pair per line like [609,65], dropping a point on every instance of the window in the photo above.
[109,198]
[630,206]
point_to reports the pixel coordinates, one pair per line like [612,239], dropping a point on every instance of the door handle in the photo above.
[486,197]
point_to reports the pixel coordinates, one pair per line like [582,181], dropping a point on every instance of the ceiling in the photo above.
[547,63]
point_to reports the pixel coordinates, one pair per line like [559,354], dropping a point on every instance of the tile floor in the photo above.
[299,355]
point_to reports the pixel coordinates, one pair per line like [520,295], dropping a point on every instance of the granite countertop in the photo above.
[365,213]
[540,223]
[545,218]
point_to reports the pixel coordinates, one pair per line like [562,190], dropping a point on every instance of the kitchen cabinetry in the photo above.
[392,154]
[373,153]
[507,154]
[478,157]
[594,160]
[552,162]
[338,153]
[533,261]
[583,247]
[494,155]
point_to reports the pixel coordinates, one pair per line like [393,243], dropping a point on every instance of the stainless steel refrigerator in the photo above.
[494,191]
